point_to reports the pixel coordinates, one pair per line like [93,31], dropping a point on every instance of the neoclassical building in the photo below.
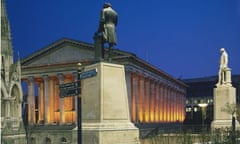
[154,96]
[12,128]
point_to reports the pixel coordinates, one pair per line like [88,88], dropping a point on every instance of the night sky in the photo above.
[182,38]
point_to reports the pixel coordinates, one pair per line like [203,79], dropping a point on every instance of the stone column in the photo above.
[51,100]
[40,102]
[171,105]
[168,104]
[140,100]
[156,101]
[7,108]
[160,105]
[61,81]
[146,100]
[165,104]
[128,76]
[46,97]
[133,95]
[31,101]
[136,96]
[175,106]
[180,106]
[151,104]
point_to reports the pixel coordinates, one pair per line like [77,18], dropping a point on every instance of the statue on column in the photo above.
[107,24]
[224,75]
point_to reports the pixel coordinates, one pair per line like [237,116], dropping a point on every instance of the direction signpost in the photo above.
[70,89]
[74,89]
[87,74]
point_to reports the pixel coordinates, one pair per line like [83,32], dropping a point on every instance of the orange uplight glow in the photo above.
[154,103]
[140,103]
[133,99]
[146,105]
[49,110]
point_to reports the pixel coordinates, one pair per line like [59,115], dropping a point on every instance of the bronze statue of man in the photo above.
[108,22]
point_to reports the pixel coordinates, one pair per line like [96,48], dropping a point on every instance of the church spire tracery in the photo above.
[5,32]
[12,128]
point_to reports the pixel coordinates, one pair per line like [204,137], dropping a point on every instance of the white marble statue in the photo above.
[222,75]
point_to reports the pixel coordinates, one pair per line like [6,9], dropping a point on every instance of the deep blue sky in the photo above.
[180,37]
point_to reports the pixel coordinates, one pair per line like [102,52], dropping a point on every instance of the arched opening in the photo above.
[3,67]
[32,140]
[2,105]
[24,103]
[47,141]
[16,103]
[63,140]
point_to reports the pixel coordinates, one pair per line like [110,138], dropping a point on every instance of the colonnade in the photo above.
[151,100]
[49,108]
[155,101]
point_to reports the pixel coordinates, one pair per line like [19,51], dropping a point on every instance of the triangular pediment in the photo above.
[62,51]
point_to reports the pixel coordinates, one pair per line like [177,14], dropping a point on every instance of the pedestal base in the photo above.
[110,133]
[223,94]
[105,110]
[224,124]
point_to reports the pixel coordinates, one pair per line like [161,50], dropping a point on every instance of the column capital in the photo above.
[45,77]
[31,78]
[75,76]
[60,76]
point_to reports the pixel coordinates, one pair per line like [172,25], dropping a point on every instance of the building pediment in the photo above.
[62,51]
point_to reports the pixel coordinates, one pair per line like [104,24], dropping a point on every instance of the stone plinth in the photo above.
[105,111]
[223,94]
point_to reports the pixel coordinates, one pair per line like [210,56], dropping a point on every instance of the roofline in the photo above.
[155,69]
[127,56]
[207,78]
[52,45]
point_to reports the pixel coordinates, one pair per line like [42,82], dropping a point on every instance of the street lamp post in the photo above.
[203,106]
[79,108]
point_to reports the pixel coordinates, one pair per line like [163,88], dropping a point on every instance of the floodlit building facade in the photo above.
[154,96]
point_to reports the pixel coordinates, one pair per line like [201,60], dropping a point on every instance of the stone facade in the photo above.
[12,128]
